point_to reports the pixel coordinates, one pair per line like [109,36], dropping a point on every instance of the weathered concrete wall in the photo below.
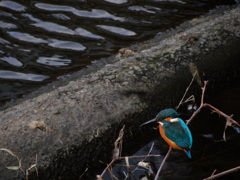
[73,123]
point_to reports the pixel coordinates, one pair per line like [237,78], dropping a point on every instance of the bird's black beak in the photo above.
[150,121]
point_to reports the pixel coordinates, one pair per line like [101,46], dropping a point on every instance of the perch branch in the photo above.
[163,162]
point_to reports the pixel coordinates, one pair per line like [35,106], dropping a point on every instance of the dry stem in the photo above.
[116,152]
[163,162]
[117,156]
[222,173]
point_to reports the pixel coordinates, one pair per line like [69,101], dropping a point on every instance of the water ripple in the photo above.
[94,13]
[5,25]
[6,14]
[12,60]
[51,42]
[85,33]
[117,1]
[21,76]
[53,27]
[13,6]
[117,30]
[61,16]
[175,1]
[3,41]
[54,61]
[66,45]
[140,8]
[26,37]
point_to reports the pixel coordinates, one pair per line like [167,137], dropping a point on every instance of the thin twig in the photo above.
[145,156]
[186,90]
[222,173]
[163,162]
[80,177]
[213,172]
[118,144]
[229,118]
[111,174]
[104,171]
[128,167]
[201,104]
[116,151]
[142,156]
[121,158]
[117,156]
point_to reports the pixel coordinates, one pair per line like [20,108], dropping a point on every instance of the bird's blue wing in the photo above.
[179,133]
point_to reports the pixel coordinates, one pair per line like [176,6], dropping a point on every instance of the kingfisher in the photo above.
[173,130]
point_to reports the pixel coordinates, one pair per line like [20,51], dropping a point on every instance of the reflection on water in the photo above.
[42,40]
[21,76]
[117,30]
[54,61]
[13,61]
[13,5]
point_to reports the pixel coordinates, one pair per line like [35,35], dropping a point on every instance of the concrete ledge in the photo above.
[73,122]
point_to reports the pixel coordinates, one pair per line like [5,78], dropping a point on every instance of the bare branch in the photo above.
[145,156]
[213,172]
[201,105]
[142,156]
[116,152]
[228,118]
[163,162]
[181,101]
[195,72]
[118,144]
[222,173]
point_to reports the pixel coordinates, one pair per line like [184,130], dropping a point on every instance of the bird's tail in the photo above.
[188,152]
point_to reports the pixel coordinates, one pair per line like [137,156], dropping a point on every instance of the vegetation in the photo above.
[150,175]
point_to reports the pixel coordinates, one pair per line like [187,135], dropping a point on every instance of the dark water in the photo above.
[42,40]
[219,156]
